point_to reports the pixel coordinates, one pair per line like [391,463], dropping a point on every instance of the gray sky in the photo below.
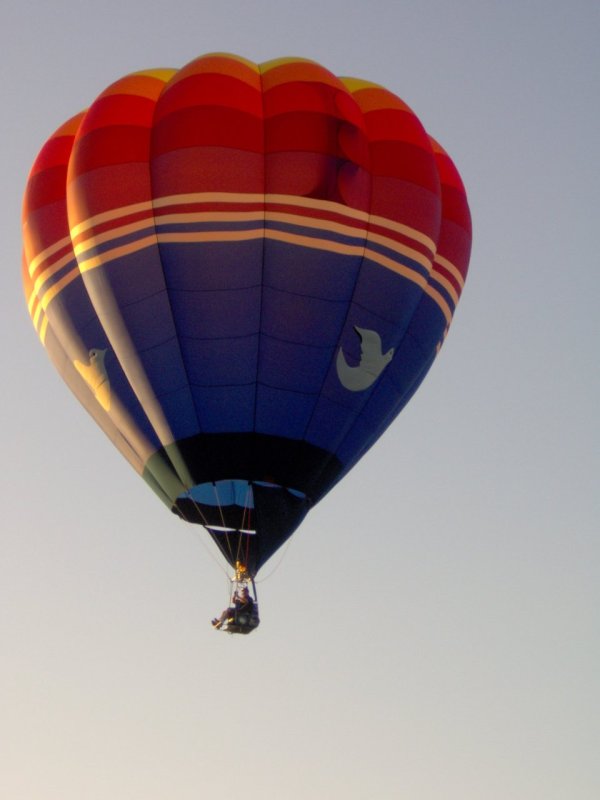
[466,664]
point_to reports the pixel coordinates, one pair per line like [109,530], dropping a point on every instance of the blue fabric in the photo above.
[239,337]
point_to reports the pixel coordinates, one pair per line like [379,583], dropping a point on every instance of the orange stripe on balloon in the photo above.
[227,197]
[47,254]
[210,216]
[248,235]
[449,266]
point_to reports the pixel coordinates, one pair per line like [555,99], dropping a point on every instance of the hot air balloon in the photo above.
[244,272]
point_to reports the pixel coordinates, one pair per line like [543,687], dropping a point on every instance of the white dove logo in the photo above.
[372,362]
[95,375]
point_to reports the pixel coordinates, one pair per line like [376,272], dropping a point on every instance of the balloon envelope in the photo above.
[244,272]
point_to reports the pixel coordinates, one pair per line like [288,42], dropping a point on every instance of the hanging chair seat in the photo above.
[242,622]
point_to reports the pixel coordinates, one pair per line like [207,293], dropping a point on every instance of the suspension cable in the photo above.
[225,532]
[197,535]
[246,519]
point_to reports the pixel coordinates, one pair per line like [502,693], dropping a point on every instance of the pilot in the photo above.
[242,601]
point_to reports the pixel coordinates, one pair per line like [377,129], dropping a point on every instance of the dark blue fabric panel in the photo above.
[385,401]
[150,323]
[304,305]
[411,364]
[232,317]
[326,422]
[281,413]
[224,409]
[133,277]
[297,367]
[212,265]
[396,387]
[305,271]
[386,294]
[178,407]
[355,449]
[216,314]
[74,298]
[162,365]
[407,364]
[215,294]
[360,439]
[427,324]
[222,362]
[304,319]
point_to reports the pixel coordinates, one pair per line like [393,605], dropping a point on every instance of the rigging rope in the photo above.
[197,533]
[246,518]
[225,533]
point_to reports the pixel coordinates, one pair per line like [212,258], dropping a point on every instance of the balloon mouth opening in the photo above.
[235,492]
[247,520]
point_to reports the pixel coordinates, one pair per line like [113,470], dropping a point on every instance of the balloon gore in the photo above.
[244,272]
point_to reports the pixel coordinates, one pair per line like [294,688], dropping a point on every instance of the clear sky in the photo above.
[447,644]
